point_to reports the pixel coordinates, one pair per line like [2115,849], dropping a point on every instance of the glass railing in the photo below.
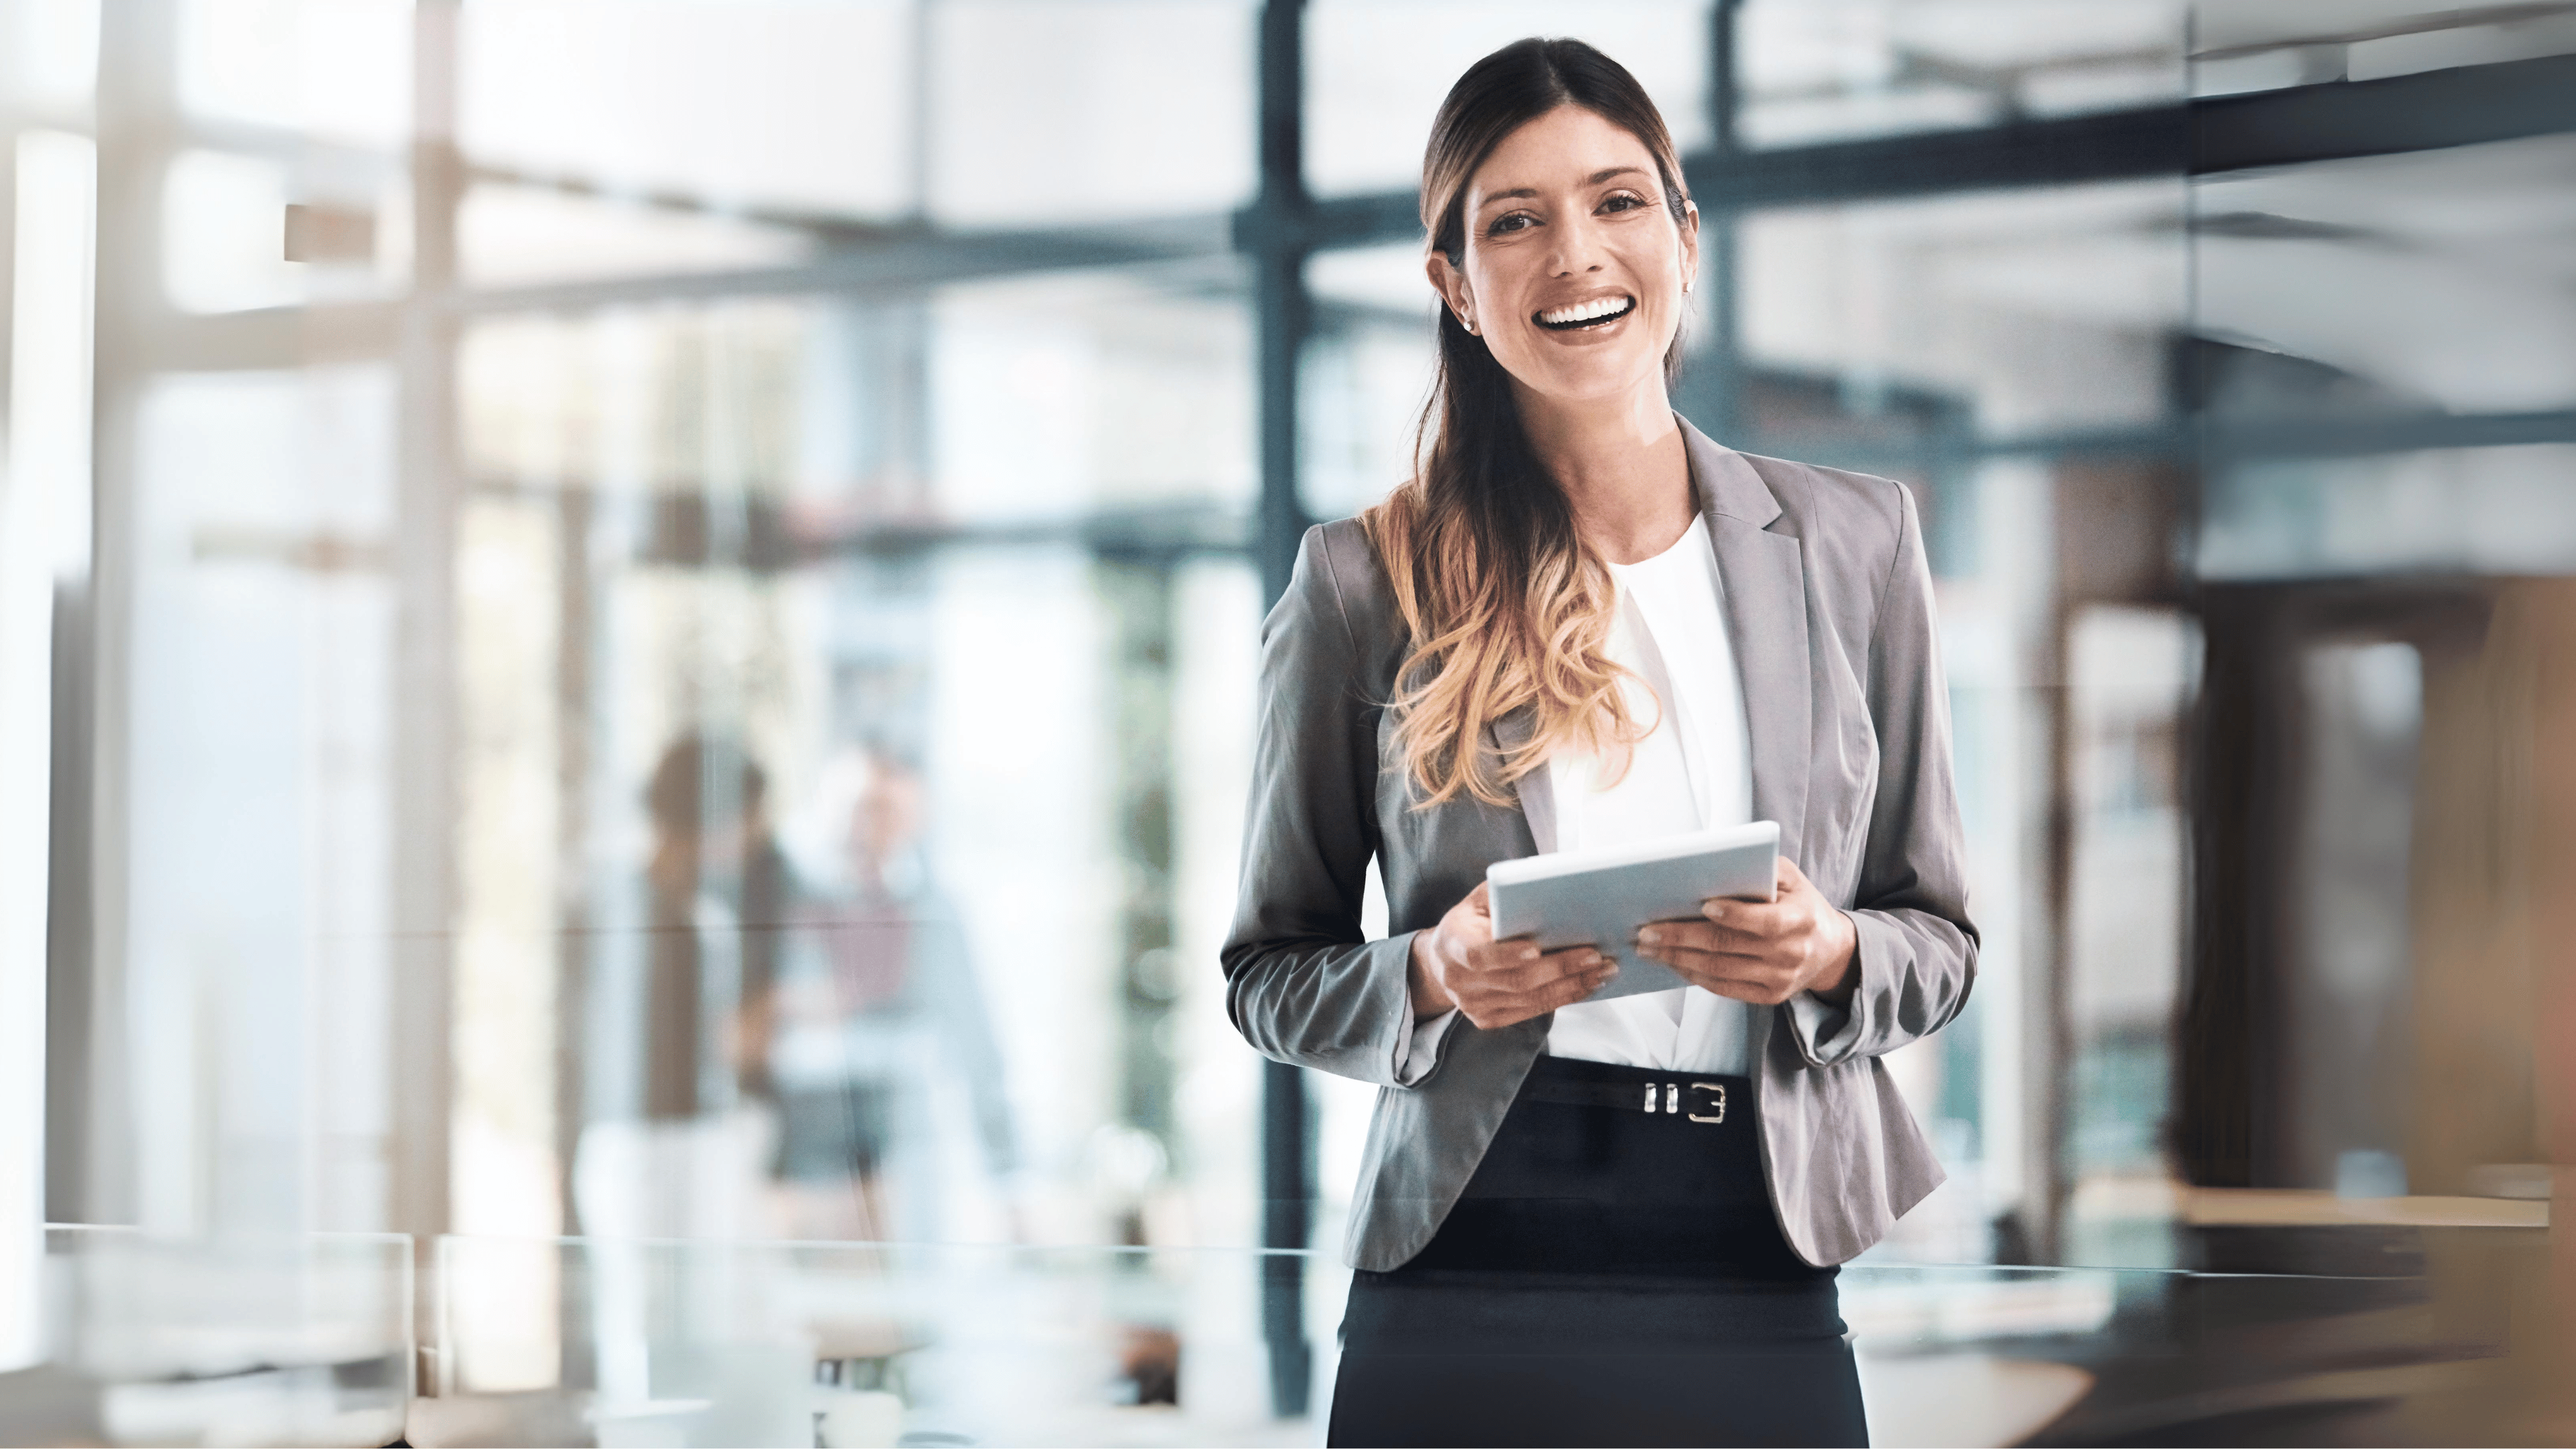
[544,1342]
[816,1343]
[593,1341]
[301,1340]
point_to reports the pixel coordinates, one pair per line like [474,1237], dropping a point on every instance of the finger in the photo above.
[1519,966]
[1492,1010]
[1754,969]
[1492,959]
[1555,967]
[1727,965]
[1676,937]
[1752,919]
[1566,991]
[1481,900]
[1534,978]
[1576,988]
[1743,979]
[1682,936]
[1754,993]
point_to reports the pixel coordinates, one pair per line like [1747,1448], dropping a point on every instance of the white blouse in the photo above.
[1692,771]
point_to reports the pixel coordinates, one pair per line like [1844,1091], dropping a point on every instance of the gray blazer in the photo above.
[1829,604]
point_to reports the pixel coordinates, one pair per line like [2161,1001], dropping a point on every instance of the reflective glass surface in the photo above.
[1821,73]
[1375,73]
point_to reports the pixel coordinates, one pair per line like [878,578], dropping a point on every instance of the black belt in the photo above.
[1692,1100]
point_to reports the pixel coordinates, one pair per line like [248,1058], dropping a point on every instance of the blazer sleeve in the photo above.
[1917,953]
[1302,983]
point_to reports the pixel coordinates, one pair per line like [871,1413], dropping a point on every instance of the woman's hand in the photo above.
[1761,952]
[1497,983]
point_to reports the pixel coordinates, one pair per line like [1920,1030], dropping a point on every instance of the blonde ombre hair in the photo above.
[1506,605]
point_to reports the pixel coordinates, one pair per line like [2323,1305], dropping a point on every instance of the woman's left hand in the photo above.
[1762,952]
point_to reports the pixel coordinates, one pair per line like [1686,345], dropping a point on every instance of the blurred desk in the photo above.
[2249,1207]
[2215,1359]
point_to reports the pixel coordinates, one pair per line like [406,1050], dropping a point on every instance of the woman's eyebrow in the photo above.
[1525,192]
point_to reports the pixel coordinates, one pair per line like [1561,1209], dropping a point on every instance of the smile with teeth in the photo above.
[1587,314]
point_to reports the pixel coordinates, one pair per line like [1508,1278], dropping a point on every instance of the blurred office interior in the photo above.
[431,423]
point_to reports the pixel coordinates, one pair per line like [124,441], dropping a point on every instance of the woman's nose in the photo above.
[1578,248]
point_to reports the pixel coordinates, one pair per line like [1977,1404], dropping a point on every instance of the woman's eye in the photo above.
[1515,221]
[1624,201]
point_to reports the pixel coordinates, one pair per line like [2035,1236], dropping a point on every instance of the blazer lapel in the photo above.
[1538,798]
[1765,582]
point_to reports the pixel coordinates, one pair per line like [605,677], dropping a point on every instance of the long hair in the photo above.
[1506,605]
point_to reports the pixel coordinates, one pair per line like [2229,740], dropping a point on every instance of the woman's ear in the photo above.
[1690,243]
[1451,284]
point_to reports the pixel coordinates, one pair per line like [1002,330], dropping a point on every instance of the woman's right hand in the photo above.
[1497,983]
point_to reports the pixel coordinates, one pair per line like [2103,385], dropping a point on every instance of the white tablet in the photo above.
[1600,897]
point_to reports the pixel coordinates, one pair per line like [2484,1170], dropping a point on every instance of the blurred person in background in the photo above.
[1584,624]
[718,902]
[879,1026]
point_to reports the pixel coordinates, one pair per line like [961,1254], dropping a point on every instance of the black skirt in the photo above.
[1608,1277]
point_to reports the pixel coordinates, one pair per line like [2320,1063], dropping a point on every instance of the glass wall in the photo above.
[939,580]
[2383,353]
[639,619]
[603,664]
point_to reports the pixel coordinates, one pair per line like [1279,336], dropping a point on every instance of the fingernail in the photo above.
[1649,936]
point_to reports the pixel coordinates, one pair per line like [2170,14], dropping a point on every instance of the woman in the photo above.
[1582,623]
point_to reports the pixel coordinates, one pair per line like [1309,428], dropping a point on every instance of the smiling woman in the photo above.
[1583,623]
[1582,248]
[1566,297]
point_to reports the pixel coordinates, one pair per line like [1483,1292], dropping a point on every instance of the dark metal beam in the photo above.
[2419,24]
[2111,146]
[1279,237]
[895,262]
[2340,120]
[1711,387]
[2217,440]
[2228,440]
[2335,121]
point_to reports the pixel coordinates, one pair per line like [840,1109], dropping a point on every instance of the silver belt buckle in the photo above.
[1717,1092]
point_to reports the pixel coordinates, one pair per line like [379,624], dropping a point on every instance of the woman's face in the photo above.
[1574,269]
